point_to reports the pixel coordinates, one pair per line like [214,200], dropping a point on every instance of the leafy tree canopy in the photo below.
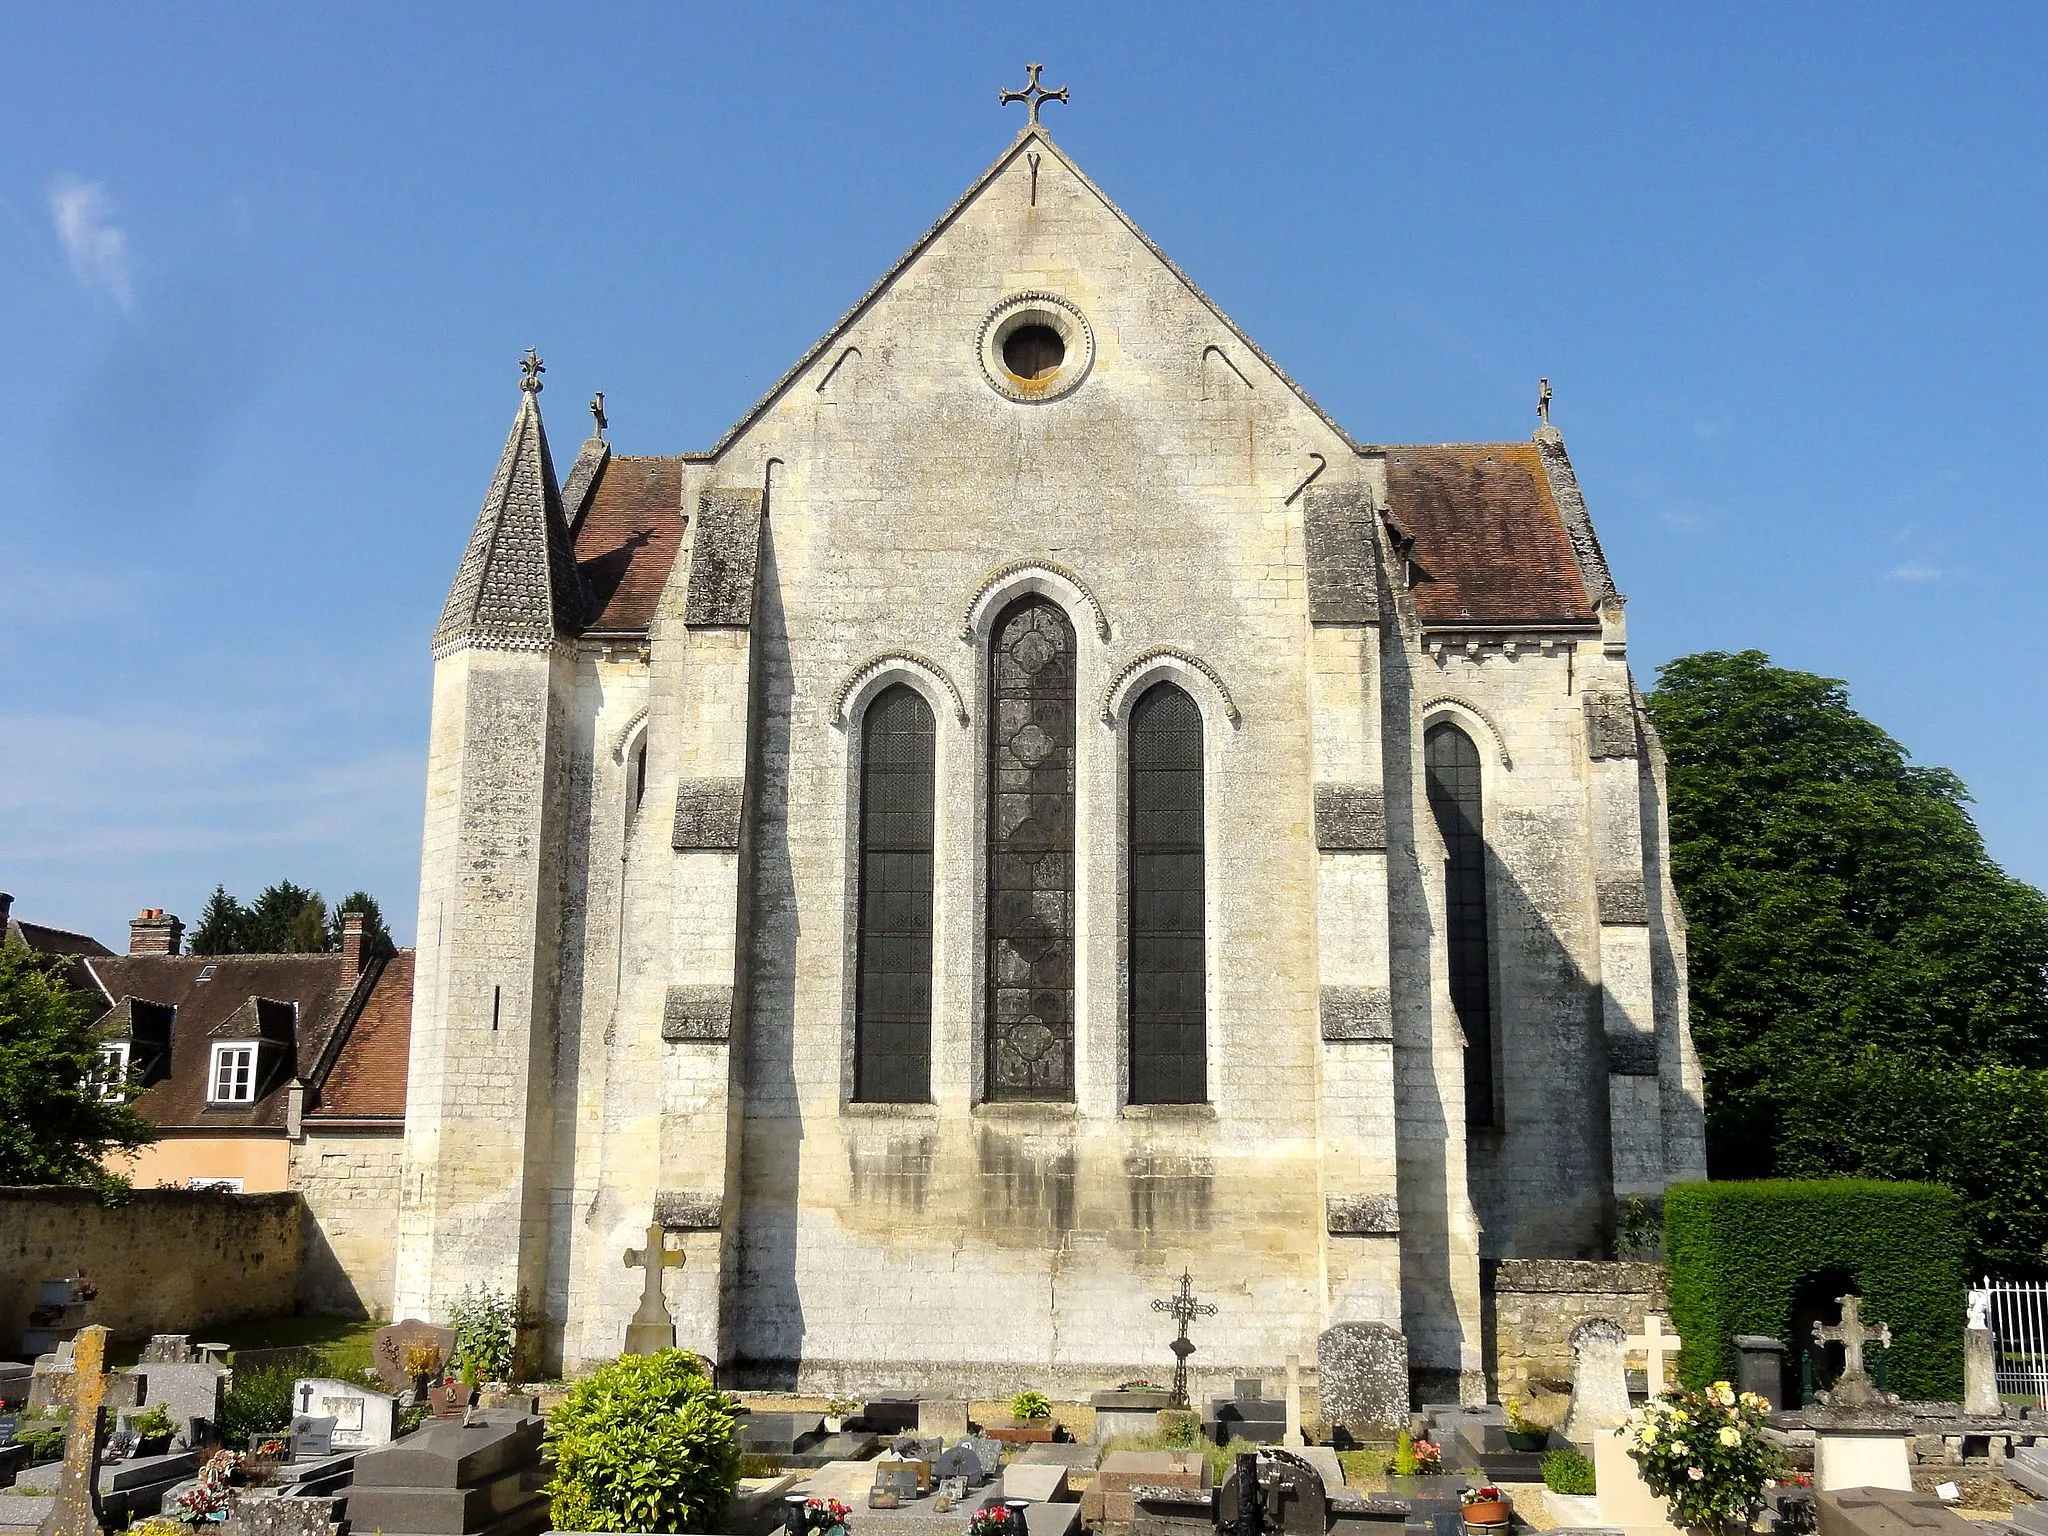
[56,1119]
[284,919]
[1845,924]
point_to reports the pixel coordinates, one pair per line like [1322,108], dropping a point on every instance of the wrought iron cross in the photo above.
[1034,94]
[1543,401]
[1184,1309]
[597,412]
[1852,1335]
[530,370]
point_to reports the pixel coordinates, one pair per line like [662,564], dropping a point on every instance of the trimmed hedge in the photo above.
[1736,1253]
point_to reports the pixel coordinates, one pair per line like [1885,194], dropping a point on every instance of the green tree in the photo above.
[56,1120]
[1843,915]
[223,928]
[376,936]
[287,919]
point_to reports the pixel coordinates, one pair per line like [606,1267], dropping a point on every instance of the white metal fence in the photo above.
[2019,1334]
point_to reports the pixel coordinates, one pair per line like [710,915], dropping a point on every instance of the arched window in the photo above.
[1169,992]
[1031,853]
[1451,772]
[893,1001]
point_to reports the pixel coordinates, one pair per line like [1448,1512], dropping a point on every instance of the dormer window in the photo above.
[233,1077]
[206,972]
[114,1070]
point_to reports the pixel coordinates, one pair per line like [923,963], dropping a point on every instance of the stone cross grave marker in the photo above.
[652,1328]
[1184,1309]
[1853,1389]
[1656,1347]
[77,1512]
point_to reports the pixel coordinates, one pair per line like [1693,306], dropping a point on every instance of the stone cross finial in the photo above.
[1184,1309]
[1656,1346]
[1543,401]
[652,1328]
[530,370]
[1852,1335]
[1034,95]
[597,412]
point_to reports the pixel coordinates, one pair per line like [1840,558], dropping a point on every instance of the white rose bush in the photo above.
[1705,1453]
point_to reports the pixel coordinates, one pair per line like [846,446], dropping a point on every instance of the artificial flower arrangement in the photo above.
[827,1517]
[206,1501]
[1485,1505]
[993,1521]
[1705,1453]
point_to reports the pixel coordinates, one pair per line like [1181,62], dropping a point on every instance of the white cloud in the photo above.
[96,247]
[1915,570]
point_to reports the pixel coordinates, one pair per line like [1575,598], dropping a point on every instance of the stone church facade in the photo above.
[1035,809]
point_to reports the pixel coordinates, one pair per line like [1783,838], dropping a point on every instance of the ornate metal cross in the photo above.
[1655,1344]
[1184,1309]
[530,370]
[1852,1335]
[1034,94]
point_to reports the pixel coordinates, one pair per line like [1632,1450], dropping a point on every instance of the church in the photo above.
[1036,809]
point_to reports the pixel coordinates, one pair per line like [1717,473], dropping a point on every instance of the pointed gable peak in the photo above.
[517,587]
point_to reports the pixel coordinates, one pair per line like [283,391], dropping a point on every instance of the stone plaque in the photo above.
[1351,818]
[708,815]
[1356,1013]
[1362,1369]
[1362,1215]
[697,1013]
[312,1436]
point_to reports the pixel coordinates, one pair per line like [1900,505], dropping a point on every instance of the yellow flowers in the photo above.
[1731,1436]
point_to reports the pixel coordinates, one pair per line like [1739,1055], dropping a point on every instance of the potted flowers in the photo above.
[1030,1419]
[1485,1507]
[1524,1433]
[1705,1453]
[153,1430]
[992,1521]
[838,1411]
[1413,1461]
[826,1517]
[423,1365]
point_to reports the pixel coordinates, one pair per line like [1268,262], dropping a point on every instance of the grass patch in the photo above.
[1367,1464]
[1219,1457]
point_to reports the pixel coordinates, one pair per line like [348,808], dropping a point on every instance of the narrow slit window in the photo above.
[1168,969]
[1451,774]
[893,996]
[1031,853]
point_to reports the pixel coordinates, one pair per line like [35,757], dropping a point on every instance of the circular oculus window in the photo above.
[1035,347]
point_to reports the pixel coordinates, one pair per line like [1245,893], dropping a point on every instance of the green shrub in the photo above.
[646,1443]
[43,1433]
[259,1403]
[1030,1404]
[1738,1251]
[484,1320]
[1567,1471]
[152,1421]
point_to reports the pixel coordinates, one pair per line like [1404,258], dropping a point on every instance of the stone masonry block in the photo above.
[1341,567]
[1351,818]
[1631,1053]
[697,1013]
[708,814]
[1362,1215]
[1622,899]
[725,554]
[688,1210]
[1357,1013]
[1610,724]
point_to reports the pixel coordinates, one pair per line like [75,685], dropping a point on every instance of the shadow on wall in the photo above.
[325,1286]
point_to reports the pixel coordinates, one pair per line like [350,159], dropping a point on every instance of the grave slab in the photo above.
[1041,1484]
[363,1419]
[1886,1512]
[1843,1461]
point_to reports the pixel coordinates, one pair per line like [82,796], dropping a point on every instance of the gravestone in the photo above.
[651,1328]
[312,1436]
[363,1420]
[1657,1348]
[1980,1360]
[389,1344]
[449,1478]
[1760,1367]
[167,1349]
[1290,1492]
[988,1453]
[1599,1379]
[1860,1434]
[1362,1370]
[1258,1419]
[14,1380]
[1034,1481]
[957,1461]
[1293,1437]
[187,1391]
[944,1417]
[1128,1413]
[889,1415]
[77,1512]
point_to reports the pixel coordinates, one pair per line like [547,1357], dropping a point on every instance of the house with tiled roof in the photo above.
[45,940]
[271,1072]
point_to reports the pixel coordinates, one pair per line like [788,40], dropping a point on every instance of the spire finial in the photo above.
[597,412]
[1034,95]
[1543,401]
[530,370]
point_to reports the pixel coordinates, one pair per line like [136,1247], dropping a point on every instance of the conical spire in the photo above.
[517,588]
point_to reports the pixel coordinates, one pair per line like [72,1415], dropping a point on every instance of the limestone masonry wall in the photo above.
[350,1186]
[165,1260]
[1538,1302]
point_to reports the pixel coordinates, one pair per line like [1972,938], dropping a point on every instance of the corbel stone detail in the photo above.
[708,814]
[1362,1215]
[1342,564]
[1357,1013]
[725,556]
[1351,818]
[697,1013]
[1610,724]
[688,1210]
[1631,1053]
[1622,899]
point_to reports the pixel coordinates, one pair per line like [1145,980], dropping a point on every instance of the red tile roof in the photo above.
[627,539]
[1489,544]
[367,1080]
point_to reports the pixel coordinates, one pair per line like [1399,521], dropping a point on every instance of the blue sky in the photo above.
[265,274]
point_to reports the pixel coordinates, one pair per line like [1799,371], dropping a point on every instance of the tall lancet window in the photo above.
[1169,992]
[1031,853]
[1451,771]
[893,1006]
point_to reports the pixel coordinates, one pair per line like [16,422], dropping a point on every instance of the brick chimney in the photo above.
[6,910]
[352,947]
[154,932]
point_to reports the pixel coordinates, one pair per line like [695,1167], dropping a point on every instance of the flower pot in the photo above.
[1528,1439]
[834,1424]
[153,1445]
[1488,1513]
[1023,1432]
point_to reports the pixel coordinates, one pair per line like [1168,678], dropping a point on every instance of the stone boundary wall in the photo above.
[165,1260]
[1536,1303]
[349,1181]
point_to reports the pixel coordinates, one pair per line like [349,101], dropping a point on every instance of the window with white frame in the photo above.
[113,1069]
[234,1074]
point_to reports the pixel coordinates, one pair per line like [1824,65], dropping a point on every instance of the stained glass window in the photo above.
[1031,853]
[893,1007]
[1169,990]
[1451,773]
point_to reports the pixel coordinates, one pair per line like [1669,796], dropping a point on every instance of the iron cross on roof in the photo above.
[1034,94]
